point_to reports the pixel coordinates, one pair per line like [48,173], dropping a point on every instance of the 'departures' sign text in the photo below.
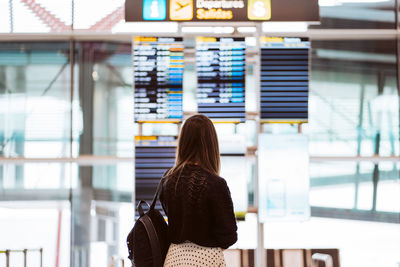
[221,10]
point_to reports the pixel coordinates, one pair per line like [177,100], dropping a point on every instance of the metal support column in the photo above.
[41,257]
[397,7]
[82,199]
[25,256]
[19,138]
[105,123]
[3,91]
[359,141]
[375,178]
[260,255]
[7,258]
[72,15]
[11,13]
[71,139]
[105,112]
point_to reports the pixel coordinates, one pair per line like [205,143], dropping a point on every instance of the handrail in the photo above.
[25,251]
[20,250]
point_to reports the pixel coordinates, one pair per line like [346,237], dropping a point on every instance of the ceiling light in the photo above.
[247,29]
[224,29]
[284,27]
[220,30]
[145,27]
[197,29]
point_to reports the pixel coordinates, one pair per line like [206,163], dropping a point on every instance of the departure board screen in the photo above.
[221,78]
[284,79]
[153,156]
[158,67]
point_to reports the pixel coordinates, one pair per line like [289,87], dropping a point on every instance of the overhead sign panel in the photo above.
[221,10]
[221,78]
[158,66]
[284,79]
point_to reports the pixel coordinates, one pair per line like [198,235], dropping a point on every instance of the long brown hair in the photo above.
[198,144]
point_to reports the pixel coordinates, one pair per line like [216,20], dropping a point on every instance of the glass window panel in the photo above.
[34,99]
[77,116]
[363,186]
[353,98]
[354,183]
[328,180]
[367,244]
[34,225]
[35,176]
[388,191]
[105,77]
[118,177]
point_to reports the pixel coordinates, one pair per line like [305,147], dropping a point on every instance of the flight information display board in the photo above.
[153,156]
[284,79]
[221,78]
[158,67]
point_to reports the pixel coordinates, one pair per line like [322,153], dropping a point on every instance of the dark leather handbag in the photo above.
[148,240]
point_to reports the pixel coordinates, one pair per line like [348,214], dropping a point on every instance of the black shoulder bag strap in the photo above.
[151,231]
[159,188]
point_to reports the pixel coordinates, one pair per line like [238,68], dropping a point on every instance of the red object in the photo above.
[55,24]
[109,21]
[58,238]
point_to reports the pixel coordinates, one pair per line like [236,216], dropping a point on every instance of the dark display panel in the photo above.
[221,10]
[153,156]
[284,79]
[158,66]
[221,78]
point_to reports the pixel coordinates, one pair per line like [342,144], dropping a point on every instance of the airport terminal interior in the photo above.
[304,96]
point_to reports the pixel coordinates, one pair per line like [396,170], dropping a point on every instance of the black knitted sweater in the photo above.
[199,208]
